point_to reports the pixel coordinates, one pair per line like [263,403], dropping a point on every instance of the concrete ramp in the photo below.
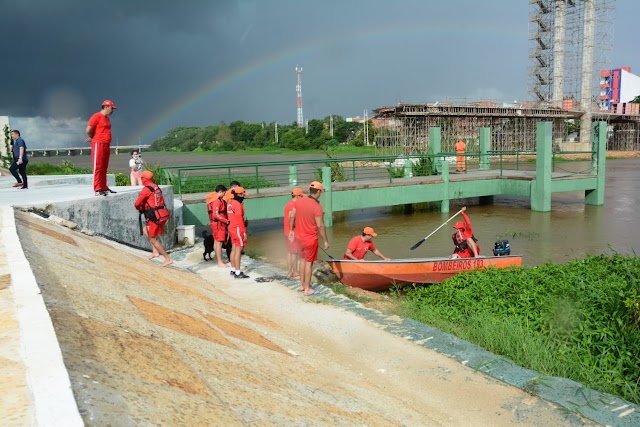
[146,345]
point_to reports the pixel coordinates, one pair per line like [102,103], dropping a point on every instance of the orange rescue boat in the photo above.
[380,275]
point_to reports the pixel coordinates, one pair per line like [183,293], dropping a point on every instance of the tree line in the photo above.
[240,135]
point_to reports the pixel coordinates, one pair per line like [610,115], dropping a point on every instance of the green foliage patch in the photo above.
[580,320]
[65,168]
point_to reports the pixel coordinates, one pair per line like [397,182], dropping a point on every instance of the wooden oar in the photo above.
[422,241]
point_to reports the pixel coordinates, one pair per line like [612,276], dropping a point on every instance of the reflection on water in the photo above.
[571,230]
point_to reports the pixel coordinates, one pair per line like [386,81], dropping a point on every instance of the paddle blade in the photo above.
[417,245]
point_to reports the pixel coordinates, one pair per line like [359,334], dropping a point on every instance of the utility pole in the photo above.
[276,132]
[331,125]
[299,93]
[366,129]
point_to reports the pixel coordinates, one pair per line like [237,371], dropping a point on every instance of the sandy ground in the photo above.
[146,345]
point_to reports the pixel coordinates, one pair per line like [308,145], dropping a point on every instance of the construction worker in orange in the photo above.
[460,159]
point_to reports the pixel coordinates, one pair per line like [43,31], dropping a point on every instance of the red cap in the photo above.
[297,192]
[461,225]
[146,175]
[316,185]
[108,103]
[369,230]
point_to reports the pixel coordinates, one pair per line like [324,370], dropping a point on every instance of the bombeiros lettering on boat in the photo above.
[458,264]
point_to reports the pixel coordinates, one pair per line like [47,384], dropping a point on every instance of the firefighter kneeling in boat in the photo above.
[463,239]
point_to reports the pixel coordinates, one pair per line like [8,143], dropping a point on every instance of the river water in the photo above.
[570,231]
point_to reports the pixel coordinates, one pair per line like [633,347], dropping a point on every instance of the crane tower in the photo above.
[299,93]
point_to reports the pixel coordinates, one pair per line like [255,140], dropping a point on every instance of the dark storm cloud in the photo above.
[62,58]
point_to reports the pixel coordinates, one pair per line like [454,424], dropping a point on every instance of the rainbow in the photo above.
[164,119]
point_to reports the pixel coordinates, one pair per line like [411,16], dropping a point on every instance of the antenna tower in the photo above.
[299,93]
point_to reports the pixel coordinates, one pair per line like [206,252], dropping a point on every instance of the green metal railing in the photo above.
[262,175]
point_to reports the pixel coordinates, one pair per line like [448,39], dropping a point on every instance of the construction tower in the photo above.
[299,93]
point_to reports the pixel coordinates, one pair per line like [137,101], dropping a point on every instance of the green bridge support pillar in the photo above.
[599,145]
[444,206]
[325,199]
[408,167]
[485,147]
[293,175]
[435,145]
[541,186]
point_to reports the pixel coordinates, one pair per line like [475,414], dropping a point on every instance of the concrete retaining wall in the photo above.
[115,217]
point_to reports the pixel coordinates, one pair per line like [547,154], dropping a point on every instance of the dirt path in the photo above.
[146,345]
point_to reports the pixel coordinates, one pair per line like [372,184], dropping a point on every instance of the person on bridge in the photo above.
[293,251]
[217,209]
[20,160]
[150,202]
[463,239]
[237,230]
[305,222]
[99,131]
[460,159]
[360,245]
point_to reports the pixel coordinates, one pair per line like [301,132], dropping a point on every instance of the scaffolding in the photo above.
[405,128]
[569,41]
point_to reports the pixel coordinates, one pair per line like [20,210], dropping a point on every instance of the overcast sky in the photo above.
[168,63]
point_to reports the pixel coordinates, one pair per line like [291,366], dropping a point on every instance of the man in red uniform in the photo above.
[305,222]
[463,239]
[99,131]
[153,229]
[237,230]
[292,247]
[460,160]
[360,245]
[218,221]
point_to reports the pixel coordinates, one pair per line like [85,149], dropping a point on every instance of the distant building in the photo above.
[618,87]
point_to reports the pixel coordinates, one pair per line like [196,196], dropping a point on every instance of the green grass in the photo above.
[66,168]
[580,320]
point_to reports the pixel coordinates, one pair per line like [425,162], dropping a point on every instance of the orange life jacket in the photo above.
[155,207]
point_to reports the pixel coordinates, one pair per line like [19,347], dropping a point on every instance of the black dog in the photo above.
[208,245]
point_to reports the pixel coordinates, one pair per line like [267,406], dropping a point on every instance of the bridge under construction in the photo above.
[404,129]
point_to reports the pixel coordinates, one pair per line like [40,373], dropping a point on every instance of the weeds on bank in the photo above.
[580,320]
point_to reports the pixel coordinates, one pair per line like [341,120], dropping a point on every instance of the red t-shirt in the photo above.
[359,248]
[102,128]
[305,227]
[235,214]
[287,208]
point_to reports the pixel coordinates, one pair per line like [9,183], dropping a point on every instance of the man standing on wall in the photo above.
[305,222]
[99,131]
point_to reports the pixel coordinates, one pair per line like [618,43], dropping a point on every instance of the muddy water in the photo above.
[571,230]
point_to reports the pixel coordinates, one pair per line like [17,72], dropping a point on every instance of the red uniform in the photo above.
[460,239]
[305,227]
[217,217]
[100,149]
[237,229]
[292,247]
[359,248]
[155,229]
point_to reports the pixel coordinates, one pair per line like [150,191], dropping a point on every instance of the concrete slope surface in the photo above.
[146,345]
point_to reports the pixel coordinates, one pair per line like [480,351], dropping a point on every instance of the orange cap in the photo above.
[297,192]
[239,191]
[369,230]
[461,225]
[316,185]
[146,175]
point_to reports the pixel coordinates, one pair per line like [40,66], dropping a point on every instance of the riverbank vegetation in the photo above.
[239,136]
[580,320]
